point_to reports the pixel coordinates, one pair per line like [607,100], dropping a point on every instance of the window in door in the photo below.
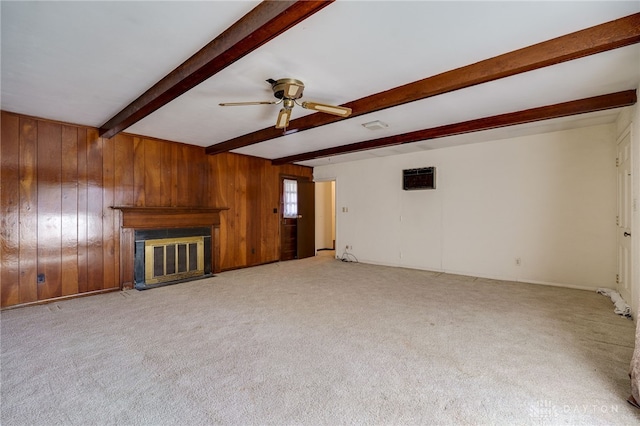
[290,198]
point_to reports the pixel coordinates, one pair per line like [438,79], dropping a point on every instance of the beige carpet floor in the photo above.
[320,342]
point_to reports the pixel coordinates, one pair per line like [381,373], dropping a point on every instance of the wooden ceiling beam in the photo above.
[265,22]
[581,106]
[600,38]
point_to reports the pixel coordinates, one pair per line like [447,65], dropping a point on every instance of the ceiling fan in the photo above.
[288,91]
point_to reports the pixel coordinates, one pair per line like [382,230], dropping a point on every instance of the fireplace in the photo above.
[169,256]
[168,245]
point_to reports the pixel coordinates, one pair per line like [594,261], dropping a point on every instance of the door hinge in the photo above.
[617,162]
[617,220]
[617,278]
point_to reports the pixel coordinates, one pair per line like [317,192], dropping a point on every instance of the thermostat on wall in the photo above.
[423,178]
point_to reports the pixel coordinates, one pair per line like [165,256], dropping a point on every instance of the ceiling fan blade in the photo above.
[329,109]
[248,103]
[283,118]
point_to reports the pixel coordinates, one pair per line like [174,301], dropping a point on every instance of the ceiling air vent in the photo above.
[375,125]
[424,178]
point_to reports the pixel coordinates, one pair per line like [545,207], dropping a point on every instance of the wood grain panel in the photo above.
[199,177]
[266,210]
[49,209]
[166,174]
[127,240]
[111,276]
[124,171]
[249,186]
[83,213]
[182,178]
[218,192]
[69,182]
[271,216]
[241,210]
[95,271]
[10,209]
[187,178]
[230,245]
[253,208]
[123,196]
[185,170]
[152,181]
[174,175]
[191,173]
[138,172]
[234,236]
[28,210]
[218,197]
[215,263]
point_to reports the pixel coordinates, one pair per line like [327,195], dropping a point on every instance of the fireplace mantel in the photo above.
[169,217]
[133,218]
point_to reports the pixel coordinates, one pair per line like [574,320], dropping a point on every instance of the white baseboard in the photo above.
[485,276]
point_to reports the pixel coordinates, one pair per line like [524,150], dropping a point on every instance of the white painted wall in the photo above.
[547,199]
[630,118]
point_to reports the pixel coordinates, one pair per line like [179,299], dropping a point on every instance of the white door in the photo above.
[624,217]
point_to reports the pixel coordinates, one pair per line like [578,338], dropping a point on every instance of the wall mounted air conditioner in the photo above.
[423,178]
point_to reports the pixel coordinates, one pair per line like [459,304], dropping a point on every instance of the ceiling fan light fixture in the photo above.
[331,109]
[283,118]
[292,91]
[287,88]
[375,125]
[288,91]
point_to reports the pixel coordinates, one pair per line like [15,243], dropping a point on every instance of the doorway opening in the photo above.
[325,193]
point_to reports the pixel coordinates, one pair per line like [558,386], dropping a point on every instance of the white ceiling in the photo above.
[82,62]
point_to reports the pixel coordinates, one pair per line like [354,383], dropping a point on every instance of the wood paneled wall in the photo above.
[59,181]
[250,187]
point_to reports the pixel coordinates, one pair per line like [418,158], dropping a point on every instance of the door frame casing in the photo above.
[336,210]
[322,210]
[635,216]
[630,212]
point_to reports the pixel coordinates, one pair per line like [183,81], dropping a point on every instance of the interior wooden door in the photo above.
[289,239]
[297,218]
[288,219]
[306,229]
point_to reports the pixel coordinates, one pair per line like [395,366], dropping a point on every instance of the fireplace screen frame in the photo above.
[180,258]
